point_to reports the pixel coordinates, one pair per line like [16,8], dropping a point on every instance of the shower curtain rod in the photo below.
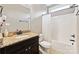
[64,8]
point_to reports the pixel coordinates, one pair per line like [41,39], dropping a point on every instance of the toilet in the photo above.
[43,44]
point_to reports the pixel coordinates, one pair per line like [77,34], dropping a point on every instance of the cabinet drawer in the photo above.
[34,48]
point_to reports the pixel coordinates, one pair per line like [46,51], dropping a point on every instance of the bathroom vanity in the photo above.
[26,43]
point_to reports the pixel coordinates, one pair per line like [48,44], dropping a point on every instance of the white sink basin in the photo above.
[23,36]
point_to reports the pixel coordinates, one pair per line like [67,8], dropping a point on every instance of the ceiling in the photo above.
[33,8]
[37,7]
[29,8]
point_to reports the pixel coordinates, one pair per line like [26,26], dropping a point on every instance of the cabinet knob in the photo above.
[29,47]
[26,49]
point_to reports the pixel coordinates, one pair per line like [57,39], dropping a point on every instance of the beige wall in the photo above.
[78,33]
[36,24]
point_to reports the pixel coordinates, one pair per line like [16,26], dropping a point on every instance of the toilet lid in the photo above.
[45,44]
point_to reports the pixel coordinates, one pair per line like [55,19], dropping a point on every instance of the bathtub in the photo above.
[62,47]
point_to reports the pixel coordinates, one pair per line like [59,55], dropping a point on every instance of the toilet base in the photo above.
[44,50]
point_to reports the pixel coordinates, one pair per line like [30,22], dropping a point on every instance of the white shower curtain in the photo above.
[59,27]
[65,25]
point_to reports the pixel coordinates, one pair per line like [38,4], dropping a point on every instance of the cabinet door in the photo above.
[2,50]
[15,48]
[34,48]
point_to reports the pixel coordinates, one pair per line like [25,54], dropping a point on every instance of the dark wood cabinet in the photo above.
[28,46]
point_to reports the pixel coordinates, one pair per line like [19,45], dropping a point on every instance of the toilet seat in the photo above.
[45,44]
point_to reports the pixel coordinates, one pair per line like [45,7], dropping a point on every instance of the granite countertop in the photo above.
[17,38]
